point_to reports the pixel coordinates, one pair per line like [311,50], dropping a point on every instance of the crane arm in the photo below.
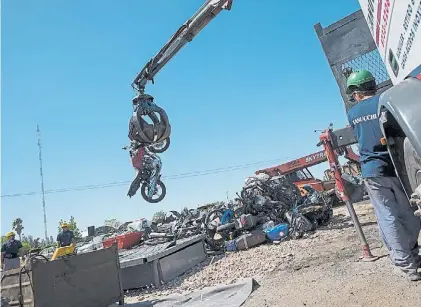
[185,34]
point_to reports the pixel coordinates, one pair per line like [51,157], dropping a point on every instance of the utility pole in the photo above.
[42,182]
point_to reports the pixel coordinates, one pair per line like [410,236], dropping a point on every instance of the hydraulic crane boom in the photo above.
[209,10]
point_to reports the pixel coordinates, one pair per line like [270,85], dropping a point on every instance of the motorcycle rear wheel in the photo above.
[144,192]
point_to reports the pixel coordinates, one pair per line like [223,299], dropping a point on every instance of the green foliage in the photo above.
[17,226]
[72,226]
[37,242]
[26,247]
[33,243]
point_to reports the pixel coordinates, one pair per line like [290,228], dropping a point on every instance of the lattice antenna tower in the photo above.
[42,182]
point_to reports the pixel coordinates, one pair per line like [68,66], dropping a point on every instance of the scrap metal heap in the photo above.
[266,209]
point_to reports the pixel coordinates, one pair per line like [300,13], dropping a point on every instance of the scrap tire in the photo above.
[412,164]
[150,200]
[327,216]
[160,149]
[335,200]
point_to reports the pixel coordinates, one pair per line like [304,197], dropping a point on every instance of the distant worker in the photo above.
[65,237]
[10,252]
[398,226]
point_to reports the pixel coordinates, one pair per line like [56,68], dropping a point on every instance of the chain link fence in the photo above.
[348,44]
[370,61]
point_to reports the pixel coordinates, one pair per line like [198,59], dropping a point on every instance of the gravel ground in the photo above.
[322,269]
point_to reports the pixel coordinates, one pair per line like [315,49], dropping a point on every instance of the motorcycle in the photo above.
[148,166]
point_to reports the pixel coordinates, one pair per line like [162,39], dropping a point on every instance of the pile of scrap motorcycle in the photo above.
[266,209]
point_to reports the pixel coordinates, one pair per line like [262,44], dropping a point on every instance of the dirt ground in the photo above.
[322,269]
[329,273]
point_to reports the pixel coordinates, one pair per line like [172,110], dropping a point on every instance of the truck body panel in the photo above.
[395,28]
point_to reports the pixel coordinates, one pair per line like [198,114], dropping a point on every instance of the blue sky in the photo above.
[251,87]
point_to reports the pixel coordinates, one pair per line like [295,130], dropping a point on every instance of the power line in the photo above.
[123,183]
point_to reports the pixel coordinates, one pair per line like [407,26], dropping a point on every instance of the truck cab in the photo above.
[400,119]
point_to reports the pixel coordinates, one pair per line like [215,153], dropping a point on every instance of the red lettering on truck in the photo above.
[386,12]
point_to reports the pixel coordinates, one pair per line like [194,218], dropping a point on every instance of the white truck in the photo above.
[385,38]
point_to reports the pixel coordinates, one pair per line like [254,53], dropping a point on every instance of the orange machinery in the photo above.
[298,170]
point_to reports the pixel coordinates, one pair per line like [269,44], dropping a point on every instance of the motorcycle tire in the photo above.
[150,200]
[327,217]
[160,149]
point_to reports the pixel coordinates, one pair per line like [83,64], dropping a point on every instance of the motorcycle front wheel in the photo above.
[161,191]
[160,147]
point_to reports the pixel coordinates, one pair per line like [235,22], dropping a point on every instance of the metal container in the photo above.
[86,280]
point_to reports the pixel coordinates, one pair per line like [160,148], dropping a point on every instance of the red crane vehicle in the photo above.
[297,171]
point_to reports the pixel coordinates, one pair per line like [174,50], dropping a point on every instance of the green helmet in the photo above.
[360,80]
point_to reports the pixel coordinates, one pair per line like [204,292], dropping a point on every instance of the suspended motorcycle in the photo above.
[155,135]
[148,166]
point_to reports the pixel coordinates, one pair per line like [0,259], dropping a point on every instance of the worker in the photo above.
[398,226]
[65,237]
[10,252]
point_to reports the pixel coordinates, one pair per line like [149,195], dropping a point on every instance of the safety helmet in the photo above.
[10,234]
[360,80]
[63,225]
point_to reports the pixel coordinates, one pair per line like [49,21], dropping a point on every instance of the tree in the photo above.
[28,239]
[159,216]
[33,243]
[72,226]
[17,226]
[37,243]
[26,247]
[112,223]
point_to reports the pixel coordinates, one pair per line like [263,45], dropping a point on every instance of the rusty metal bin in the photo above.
[86,280]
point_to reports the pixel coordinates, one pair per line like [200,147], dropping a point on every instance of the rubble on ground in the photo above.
[257,262]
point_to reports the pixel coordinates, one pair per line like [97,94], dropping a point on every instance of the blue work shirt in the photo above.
[11,248]
[374,158]
[65,238]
